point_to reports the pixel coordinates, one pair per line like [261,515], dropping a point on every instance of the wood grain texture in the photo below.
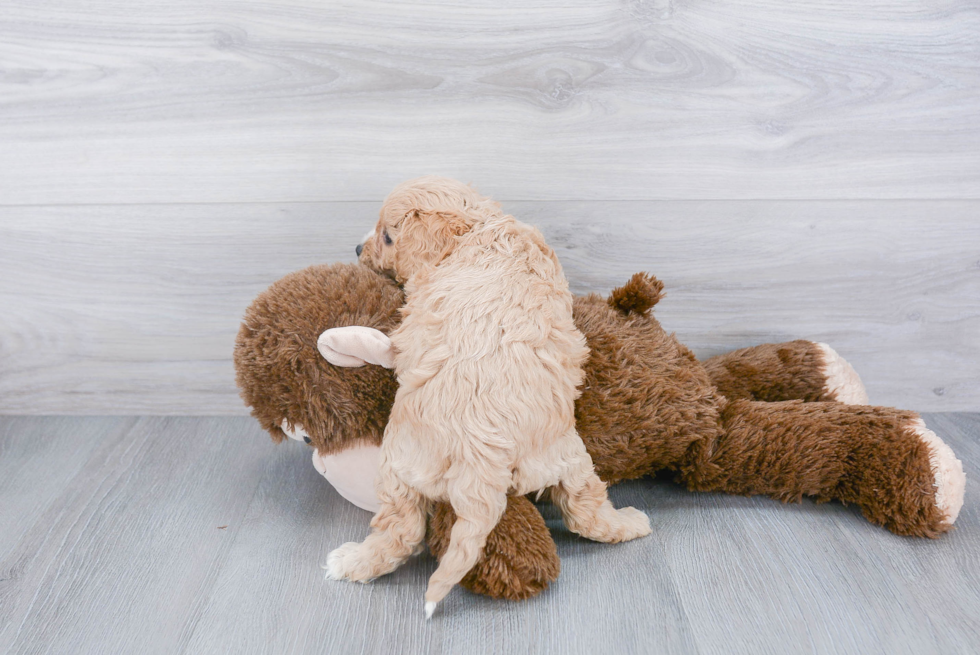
[128,557]
[134,309]
[53,451]
[303,100]
[122,561]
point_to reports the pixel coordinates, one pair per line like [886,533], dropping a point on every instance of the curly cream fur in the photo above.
[488,361]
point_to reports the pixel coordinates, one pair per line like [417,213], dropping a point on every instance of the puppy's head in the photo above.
[420,223]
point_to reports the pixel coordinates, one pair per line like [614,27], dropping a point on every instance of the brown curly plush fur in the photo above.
[281,374]
[637,296]
[647,405]
[771,372]
[855,454]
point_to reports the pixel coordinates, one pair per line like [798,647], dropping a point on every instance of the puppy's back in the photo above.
[497,310]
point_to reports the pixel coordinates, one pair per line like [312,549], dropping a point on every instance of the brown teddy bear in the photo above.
[787,420]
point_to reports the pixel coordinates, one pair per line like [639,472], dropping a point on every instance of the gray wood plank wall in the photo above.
[789,169]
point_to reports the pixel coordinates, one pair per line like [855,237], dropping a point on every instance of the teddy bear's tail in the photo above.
[884,460]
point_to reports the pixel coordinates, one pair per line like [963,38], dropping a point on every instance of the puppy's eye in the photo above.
[386,237]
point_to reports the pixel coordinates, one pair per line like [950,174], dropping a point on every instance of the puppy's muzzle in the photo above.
[359,249]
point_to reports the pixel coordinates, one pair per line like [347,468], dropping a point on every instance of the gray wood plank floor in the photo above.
[198,535]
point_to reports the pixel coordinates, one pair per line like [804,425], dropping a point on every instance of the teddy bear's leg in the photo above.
[519,559]
[795,370]
[397,532]
[884,460]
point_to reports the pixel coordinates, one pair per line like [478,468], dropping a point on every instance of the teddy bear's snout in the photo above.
[359,248]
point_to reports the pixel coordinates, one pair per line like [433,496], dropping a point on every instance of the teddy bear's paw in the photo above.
[841,380]
[949,480]
[633,524]
[347,563]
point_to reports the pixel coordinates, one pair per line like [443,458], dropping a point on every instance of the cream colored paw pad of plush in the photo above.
[950,480]
[842,380]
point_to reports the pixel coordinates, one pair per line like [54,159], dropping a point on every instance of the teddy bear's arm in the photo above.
[795,370]
[356,346]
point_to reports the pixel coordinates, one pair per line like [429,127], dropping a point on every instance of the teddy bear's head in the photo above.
[282,375]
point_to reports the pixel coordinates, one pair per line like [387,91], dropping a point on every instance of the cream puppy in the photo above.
[488,363]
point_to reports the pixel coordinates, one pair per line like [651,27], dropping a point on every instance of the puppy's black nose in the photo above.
[307,440]
[358,249]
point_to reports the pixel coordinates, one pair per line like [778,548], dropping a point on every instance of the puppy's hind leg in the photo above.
[478,509]
[397,532]
[584,504]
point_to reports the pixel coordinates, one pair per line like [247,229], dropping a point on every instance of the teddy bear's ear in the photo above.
[638,295]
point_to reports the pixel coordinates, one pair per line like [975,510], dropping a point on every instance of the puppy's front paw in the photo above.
[347,563]
[634,524]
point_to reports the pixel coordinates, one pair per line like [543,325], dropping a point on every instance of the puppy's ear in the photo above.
[426,238]
[452,223]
